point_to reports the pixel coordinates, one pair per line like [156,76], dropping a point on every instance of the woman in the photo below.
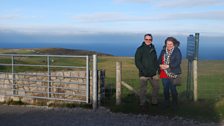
[169,63]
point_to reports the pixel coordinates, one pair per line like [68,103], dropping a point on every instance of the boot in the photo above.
[174,102]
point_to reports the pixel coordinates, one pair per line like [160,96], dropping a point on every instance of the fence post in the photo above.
[87,80]
[195,80]
[118,82]
[13,78]
[195,67]
[95,88]
[102,84]
[49,76]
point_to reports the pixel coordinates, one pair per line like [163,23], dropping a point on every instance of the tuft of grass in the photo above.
[12,102]
[69,105]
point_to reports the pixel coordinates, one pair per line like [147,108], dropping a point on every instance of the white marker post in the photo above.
[195,67]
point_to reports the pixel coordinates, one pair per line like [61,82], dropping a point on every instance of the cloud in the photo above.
[159,29]
[188,3]
[108,17]
[102,17]
[45,29]
[121,17]
[114,22]
[9,17]
[17,17]
[176,3]
[132,1]
[207,15]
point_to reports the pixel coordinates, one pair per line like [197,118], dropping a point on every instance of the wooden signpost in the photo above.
[192,56]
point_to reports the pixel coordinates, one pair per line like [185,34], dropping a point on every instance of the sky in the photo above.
[68,17]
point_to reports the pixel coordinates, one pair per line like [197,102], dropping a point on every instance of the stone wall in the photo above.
[70,85]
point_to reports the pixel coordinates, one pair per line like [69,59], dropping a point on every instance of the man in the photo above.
[146,62]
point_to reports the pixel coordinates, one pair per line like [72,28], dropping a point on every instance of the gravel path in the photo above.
[41,116]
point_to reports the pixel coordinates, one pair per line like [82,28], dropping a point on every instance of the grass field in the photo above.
[210,105]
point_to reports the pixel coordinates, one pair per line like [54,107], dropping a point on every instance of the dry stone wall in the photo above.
[70,85]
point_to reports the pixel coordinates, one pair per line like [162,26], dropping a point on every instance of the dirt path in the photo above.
[41,116]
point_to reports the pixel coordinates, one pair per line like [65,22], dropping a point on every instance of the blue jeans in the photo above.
[167,87]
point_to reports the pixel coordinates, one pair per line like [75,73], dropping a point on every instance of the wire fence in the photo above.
[210,84]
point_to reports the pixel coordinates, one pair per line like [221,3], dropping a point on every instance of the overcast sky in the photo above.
[112,16]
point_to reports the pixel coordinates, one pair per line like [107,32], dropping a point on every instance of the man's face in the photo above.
[148,40]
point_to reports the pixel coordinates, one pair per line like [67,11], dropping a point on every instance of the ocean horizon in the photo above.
[210,48]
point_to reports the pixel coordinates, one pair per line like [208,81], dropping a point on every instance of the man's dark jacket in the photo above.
[146,60]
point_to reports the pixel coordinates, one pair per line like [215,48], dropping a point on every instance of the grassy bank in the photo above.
[210,105]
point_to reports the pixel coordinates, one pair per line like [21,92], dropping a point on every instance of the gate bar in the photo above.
[95,92]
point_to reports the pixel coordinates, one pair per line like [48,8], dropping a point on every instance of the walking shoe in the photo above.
[154,104]
[143,108]
[154,101]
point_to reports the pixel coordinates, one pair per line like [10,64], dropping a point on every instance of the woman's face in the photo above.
[169,45]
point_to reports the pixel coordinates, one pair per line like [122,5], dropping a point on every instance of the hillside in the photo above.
[51,51]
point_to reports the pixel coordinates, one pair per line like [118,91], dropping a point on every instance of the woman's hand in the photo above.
[163,66]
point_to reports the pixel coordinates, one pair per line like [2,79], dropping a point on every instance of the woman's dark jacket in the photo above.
[175,60]
[146,60]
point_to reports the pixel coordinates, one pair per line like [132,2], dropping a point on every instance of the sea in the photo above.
[210,47]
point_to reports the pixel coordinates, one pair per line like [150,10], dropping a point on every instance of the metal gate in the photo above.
[53,77]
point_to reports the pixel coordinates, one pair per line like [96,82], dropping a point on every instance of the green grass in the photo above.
[17,51]
[69,105]
[210,106]
[54,61]
[11,102]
